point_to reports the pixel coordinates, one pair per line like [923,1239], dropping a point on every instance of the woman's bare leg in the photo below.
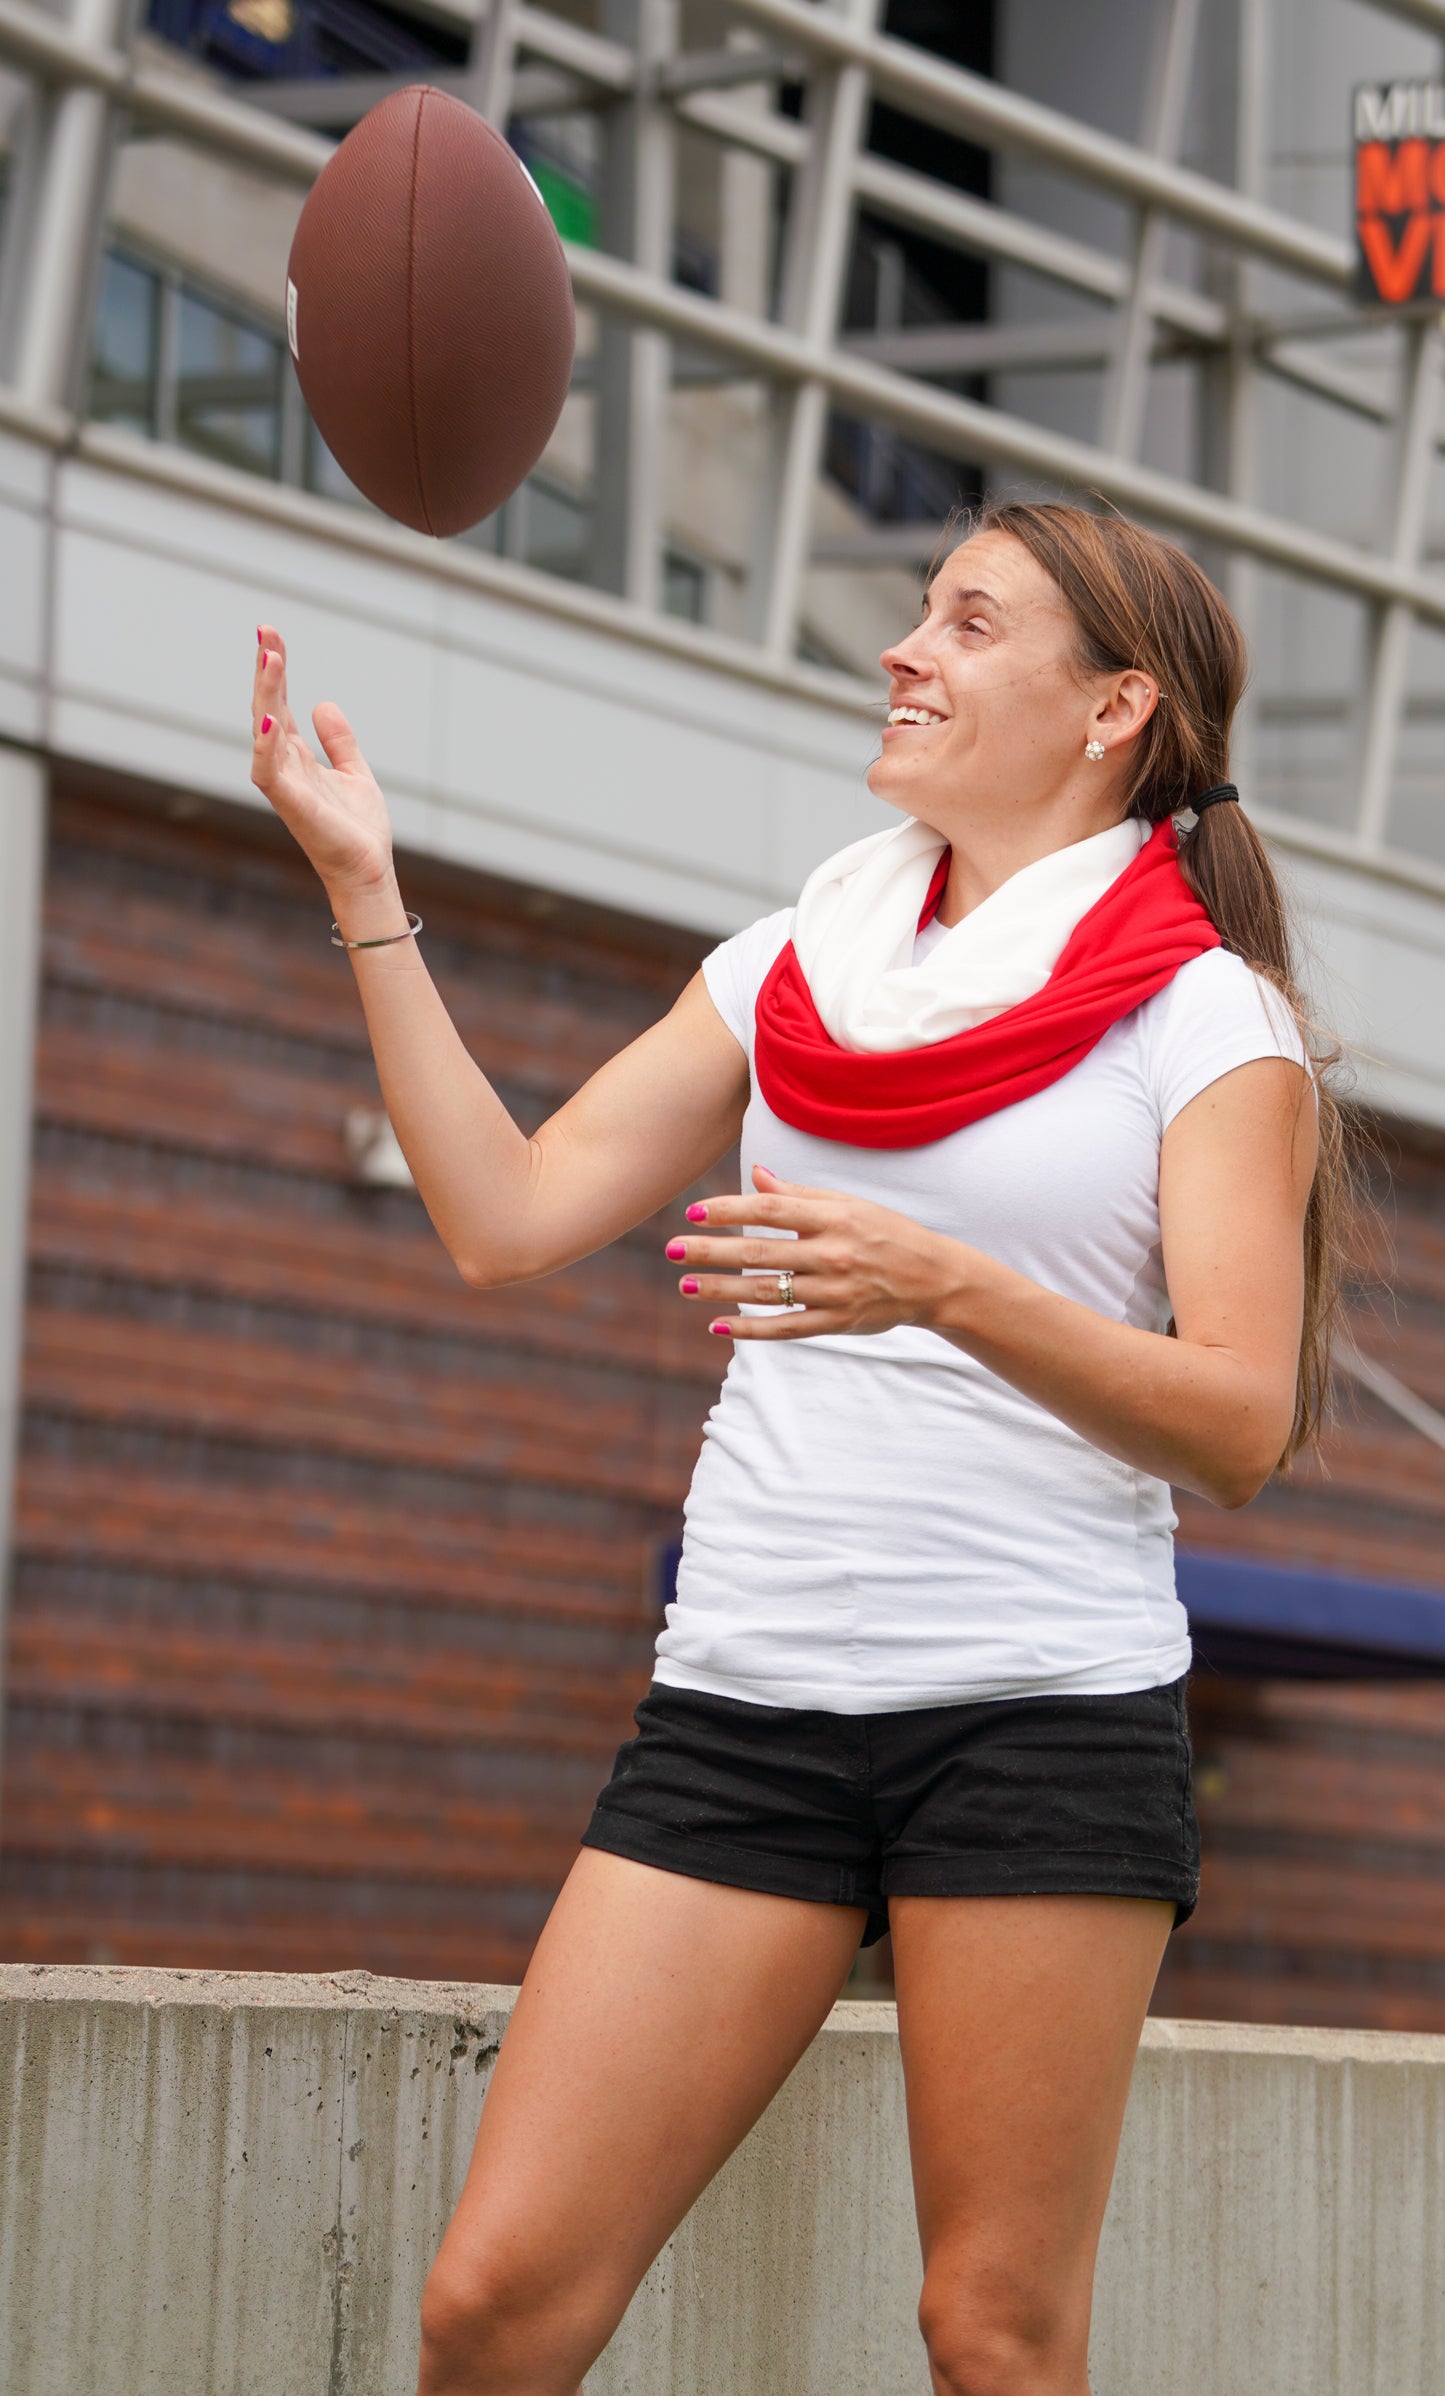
[657,2019]
[1019,2018]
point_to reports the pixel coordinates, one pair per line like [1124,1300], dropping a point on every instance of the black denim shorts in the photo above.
[1028,1796]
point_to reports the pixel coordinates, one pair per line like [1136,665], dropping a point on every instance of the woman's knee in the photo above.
[463,2323]
[486,2331]
[985,2339]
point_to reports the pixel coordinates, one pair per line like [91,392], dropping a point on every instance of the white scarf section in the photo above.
[858,914]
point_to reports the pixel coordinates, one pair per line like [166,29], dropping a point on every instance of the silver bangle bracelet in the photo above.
[413,926]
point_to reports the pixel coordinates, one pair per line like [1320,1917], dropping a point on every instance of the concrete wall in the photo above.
[217,2185]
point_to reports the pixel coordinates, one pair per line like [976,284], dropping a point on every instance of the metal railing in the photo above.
[88,86]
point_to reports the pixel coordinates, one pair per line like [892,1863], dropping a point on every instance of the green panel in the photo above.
[572,209]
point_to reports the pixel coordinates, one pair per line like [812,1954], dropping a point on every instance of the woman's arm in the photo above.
[508,1208]
[1209,1410]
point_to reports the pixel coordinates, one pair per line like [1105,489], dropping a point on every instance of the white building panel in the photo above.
[619,759]
[515,725]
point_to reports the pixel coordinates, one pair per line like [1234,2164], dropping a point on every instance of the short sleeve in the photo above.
[736,971]
[1217,1013]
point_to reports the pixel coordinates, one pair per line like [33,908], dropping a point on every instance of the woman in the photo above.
[1026,1094]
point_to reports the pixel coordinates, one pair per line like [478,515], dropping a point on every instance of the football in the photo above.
[429,312]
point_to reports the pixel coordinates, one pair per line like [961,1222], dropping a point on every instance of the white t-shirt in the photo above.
[877,1522]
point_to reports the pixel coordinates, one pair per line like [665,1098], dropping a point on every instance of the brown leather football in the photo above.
[429,312]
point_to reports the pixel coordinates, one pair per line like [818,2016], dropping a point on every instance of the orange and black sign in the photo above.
[1400,194]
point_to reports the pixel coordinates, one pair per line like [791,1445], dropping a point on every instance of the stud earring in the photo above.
[1094,749]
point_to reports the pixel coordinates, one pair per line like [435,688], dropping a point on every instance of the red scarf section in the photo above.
[1130,943]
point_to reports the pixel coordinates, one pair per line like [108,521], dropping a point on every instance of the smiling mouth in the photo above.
[899,717]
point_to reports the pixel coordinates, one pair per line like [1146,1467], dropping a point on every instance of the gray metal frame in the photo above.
[635,73]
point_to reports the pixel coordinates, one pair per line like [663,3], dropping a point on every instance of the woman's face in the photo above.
[991,671]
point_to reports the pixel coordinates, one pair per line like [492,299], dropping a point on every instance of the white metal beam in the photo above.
[492,67]
[801,357]
[723,70]
[249,135]
[1126,386]
[815,265]
[65,210]
[985,348]
[1390,645]
[960,427]
[594,56]
[1391,1391]
[926,86]
[913,79]
[40,45]
[532,598]
[327,102]
[1022,344]
[635,219]
[977,226]
[1232,387]
[27,132]
[966,428]
[760,130]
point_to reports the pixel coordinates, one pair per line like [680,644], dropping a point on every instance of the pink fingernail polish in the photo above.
[260,636]
[677,1250]
[265,659]
[721,1329]
[697,1214]
[265,723]
[689,1285]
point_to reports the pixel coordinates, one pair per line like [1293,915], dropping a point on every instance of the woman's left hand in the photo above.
[855,1267]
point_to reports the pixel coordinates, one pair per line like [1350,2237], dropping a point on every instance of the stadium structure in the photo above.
[332,1583]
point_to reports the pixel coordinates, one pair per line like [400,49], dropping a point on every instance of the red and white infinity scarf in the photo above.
[856,1042]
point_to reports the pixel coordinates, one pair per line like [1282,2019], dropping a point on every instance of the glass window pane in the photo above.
[228,385]
[684,587]
[558,528]
[123,358]
[322,472]
[893,480]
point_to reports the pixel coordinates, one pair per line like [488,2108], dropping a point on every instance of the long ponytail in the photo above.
[1228,867]
[1140,601]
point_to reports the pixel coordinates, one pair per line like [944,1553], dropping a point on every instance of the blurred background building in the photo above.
[332,1584]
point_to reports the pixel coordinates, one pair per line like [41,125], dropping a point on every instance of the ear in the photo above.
[1124,707]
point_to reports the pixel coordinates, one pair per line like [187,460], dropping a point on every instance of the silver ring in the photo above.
[785,1289]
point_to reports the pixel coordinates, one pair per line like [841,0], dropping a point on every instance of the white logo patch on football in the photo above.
[291,320]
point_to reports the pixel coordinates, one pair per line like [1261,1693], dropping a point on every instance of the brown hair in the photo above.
[1140,601]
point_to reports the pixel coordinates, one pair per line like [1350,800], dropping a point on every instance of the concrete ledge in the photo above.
[228,2185]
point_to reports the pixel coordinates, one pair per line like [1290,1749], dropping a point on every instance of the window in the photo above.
[177,362]
[684,587]
[174,361]
[319,470]
[227,384]
[558,528]
[125,358]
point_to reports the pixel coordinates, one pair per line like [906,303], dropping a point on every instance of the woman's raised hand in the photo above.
[334,810]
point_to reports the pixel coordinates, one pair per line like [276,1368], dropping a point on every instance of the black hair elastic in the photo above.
[1212,796]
